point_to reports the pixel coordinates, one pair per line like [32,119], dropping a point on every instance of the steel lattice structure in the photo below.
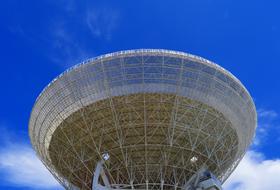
[159,114]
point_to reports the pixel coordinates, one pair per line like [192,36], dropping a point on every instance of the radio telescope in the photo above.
[142,119]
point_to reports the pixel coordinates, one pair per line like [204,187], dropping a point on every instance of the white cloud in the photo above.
[20,167]
[255,173]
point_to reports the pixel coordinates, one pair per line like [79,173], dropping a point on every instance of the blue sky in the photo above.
[40,39]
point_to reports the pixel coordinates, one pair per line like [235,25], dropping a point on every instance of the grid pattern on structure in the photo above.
[141,72]
[151,147]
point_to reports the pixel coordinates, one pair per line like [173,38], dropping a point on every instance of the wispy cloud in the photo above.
[68,47]
[267,114]
[65,49]
[67,5]
[102,21]
[255,173]
[19,166]
[267,124]
[71,36]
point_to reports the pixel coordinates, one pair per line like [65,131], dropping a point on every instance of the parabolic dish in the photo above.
[158,115]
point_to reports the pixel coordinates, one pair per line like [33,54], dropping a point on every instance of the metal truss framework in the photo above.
[159,114]
[148,145]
